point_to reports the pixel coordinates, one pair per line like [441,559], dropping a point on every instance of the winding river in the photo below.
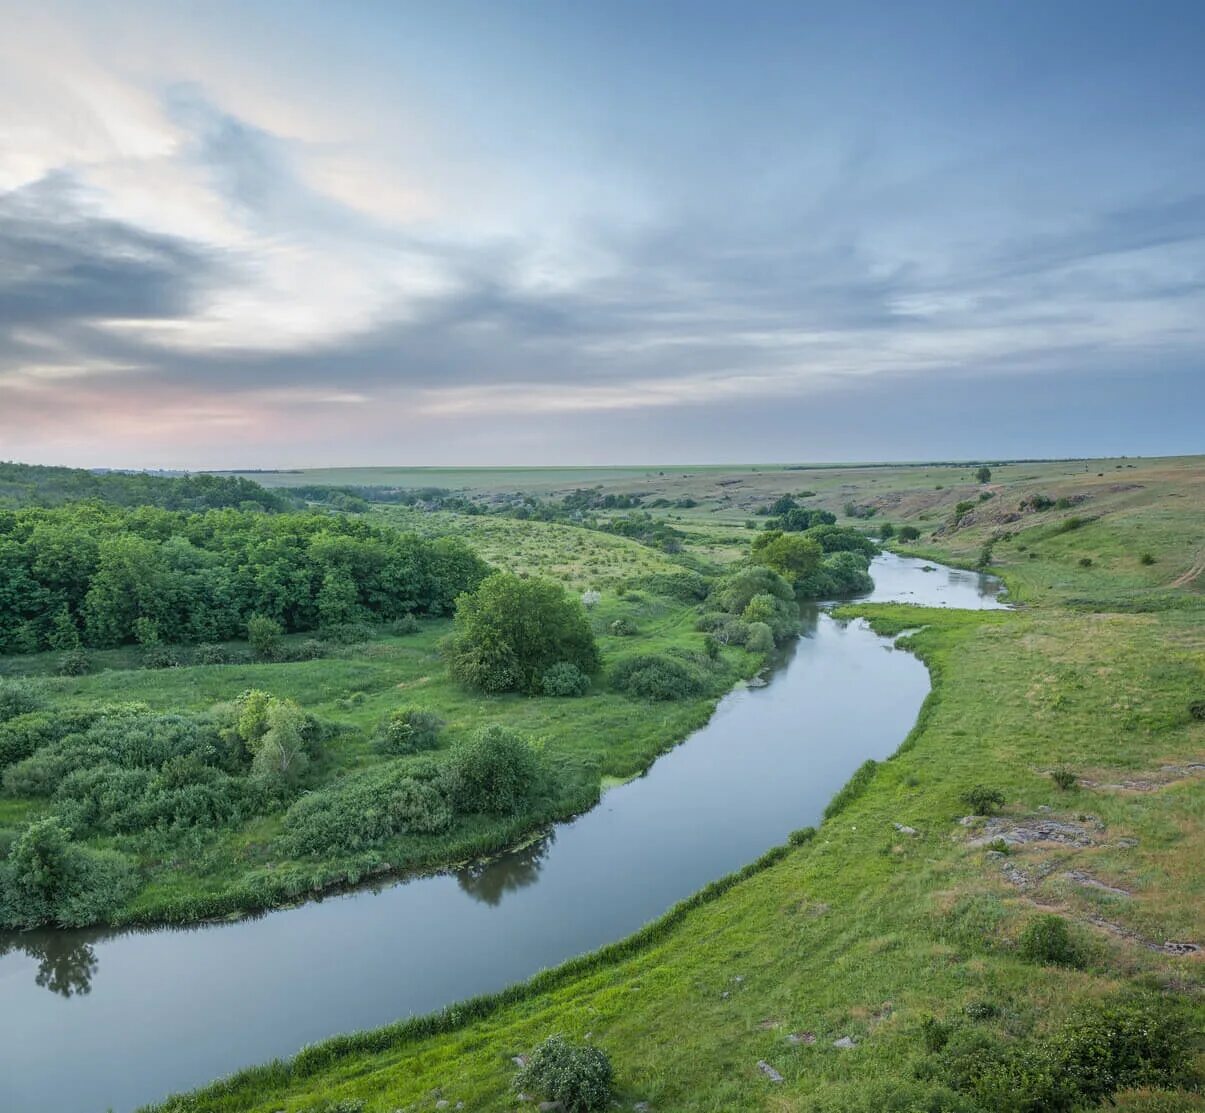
[93,1020]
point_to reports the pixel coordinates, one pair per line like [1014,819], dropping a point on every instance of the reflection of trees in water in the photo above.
[66,962]
[489,881]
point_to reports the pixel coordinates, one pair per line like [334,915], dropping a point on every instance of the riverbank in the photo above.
[833,962]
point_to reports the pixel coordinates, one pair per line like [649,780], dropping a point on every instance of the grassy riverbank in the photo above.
[897,928]
[210,870]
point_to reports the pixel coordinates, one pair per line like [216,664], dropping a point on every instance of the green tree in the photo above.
[495,771]
[791,555]
[264,634]
[64,634]
[984,474]
[338,601]
[511,630]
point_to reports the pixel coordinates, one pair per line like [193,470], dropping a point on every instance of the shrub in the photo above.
[656,677]
[565,679]
[407,624]
[157,656]
[264,634]
[406,730]
[210,655]
[363,810]
[19,697]
[496,771]
[983,800]
[512,630]
[578,1077]
[934,1033]
[981,1010]
[1064,778]
[908,533]
[1146,558]
[760,638]
[1047,940]
[75,662]
[622,628]
[1196,710]
[1085,562]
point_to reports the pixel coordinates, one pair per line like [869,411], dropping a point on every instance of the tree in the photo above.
[908,533]
[338,601]
[264,634]
[791,555]
[282,749]
[495,771]
[984,474]
[511,630]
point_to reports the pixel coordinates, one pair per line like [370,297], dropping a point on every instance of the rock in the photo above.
[845,1042]
[1081,878]
[801,1037]
[443,1103]
[641,1107]
[904,829]
[725,995]
[768,1071]
[549,1106]
[739,978]
[519,1060]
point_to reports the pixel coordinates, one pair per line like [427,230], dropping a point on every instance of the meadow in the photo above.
[900,958]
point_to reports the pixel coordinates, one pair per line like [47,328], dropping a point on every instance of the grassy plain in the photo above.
[868,930]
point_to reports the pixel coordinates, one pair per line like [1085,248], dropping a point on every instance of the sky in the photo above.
[268,234]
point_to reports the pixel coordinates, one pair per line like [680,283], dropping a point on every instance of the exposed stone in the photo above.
[1081,878]
[1038,830]
[519,1060]
[802,1037]
[549,1106]
[904,829]
[768,1071]
[845,1042]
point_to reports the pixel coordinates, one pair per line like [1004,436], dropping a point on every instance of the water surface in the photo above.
[92,1019]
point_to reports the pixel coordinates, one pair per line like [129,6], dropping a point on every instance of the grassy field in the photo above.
[587,742]
[857,965]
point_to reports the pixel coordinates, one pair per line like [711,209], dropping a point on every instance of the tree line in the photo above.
[104,576]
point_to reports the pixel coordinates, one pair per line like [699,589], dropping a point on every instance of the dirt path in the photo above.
[1191,574]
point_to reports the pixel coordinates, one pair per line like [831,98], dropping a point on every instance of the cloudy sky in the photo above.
[264,233]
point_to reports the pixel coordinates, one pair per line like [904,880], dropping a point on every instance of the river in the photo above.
[93,1020]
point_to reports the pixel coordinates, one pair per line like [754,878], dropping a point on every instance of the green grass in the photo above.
[864,931]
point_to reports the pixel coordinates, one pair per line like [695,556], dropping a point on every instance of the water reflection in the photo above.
[489,881]
[66,963]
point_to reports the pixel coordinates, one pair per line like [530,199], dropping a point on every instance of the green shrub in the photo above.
[1048,941]
[264,635]
[75,662]
[981,1010]
[407,624]
[158,656]
[1085,562]
[1146,558]
[622,628]
[19,697]
[656,677]
[760,638]
[207,654]
[565,679]
[983,800]
[908,533]
[1196,710]
[407,730]
[1064,778]
[578,1077]
[364,810]
[496,772]
[934,1033]
[512,630]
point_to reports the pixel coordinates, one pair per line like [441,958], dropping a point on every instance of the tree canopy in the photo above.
[511,630]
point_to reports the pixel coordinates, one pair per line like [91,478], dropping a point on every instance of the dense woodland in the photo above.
[105,576]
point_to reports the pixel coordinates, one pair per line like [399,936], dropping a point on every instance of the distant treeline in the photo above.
[106,575]
[35,485]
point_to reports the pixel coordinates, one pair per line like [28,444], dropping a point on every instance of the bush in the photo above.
[565,679]
[407,730]
[512,630]
[1064,778]
[934,1033]
[908,533]
[407,624]
[75,662]
[983,800]
[1085,562]
[578,1077]
[1196,710]
[156,656]
[1146,558]
[211,655]
[656,677]
[264,634]
[19,697]
[1048,941]
[622,628]
[364,810]
[760,638]
[496,772]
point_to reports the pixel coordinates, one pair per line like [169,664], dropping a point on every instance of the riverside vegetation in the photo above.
[907,955]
